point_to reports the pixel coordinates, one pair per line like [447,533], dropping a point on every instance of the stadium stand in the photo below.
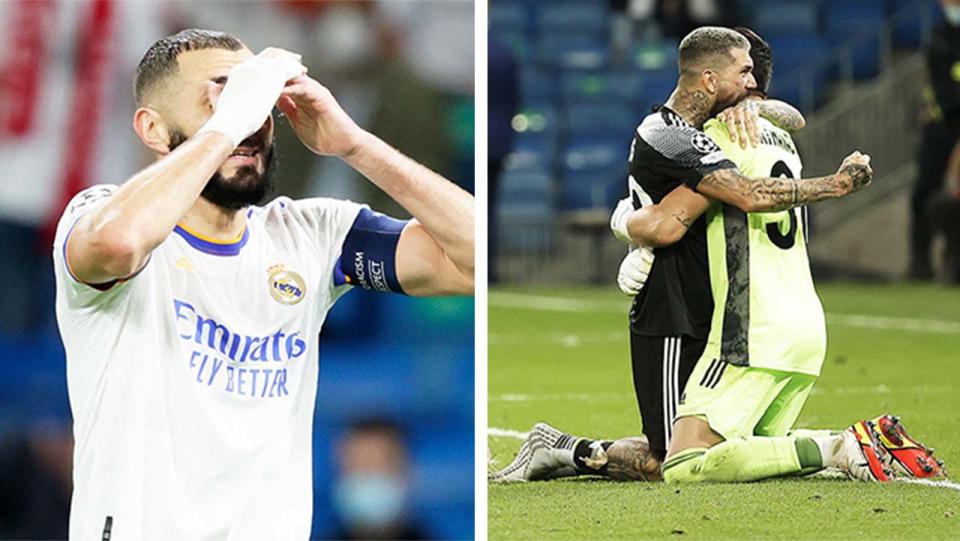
[591,96]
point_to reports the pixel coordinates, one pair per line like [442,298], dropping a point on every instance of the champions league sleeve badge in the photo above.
[703,143]
[286,286]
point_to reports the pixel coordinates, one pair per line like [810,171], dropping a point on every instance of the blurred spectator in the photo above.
[940,133]
[35,483]
[943,212]
[372,492]
[503,102]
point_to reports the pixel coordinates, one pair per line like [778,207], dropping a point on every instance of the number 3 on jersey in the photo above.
[785,241]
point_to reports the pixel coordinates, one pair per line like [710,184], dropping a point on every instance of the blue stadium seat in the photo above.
[795,61]
[603,87]
[588,19]
[532,151]
[526,186]
[508,17]
[592,188]
[611,120]
[909,17]
[655,56]
[537,85]
[657,86]
[572,52]
[852,24]
[590,168]
[586,153]
[525,227]
[786,19]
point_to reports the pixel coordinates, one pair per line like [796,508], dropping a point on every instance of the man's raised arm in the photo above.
[767,194]
[435,253]
[114,240]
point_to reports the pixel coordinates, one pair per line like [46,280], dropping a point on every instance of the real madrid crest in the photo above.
[286,286]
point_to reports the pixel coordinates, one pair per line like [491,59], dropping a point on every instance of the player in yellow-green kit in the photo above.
[766,340]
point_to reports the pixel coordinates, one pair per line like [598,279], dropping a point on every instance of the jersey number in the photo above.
[782,241]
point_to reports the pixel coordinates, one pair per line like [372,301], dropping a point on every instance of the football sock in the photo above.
[744,459]
[830,447]
[589,456]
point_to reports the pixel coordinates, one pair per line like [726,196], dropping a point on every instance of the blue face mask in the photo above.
[370,500]
[952,15]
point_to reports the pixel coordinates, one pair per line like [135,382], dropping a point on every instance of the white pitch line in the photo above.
[505,433]
[932,483]
[563,304]
[556,304]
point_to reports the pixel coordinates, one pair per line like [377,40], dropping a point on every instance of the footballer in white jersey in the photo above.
[190,315]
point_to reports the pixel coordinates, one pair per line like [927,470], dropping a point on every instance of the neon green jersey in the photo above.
[766,312]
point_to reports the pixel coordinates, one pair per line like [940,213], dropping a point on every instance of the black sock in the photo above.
[584,450]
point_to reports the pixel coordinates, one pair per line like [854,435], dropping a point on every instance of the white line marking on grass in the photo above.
[555,304]
[573,397]
[568,340]
[931,483]
[907,324]
[505,433]
[562,304]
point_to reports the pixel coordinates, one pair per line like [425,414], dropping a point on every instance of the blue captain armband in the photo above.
[370,253]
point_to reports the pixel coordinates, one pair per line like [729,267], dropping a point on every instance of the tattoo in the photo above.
[860,175]
[782,114]
[768,194]
[630,459]
[693,106]
[684,221]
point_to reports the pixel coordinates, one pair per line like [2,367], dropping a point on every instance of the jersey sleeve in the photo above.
[77,292]
[683,153]
[327,222]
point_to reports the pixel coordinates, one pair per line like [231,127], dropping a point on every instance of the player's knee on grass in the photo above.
[733,461]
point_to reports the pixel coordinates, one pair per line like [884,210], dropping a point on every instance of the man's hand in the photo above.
[318,120]
[741,122]
[855,172]
[634,270]
[252,89]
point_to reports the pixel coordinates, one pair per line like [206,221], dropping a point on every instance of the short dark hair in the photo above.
[762,58]
[160,60]
[708,41]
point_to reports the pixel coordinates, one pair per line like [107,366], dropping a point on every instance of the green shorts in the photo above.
[740,401]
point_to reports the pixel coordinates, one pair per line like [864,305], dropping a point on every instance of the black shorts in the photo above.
[661,367]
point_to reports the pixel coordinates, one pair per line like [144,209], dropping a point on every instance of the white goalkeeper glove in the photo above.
[253,88]
[634,270]
[619,219]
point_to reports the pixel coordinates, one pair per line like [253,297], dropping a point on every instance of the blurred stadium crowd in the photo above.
[569,81]
[393,448]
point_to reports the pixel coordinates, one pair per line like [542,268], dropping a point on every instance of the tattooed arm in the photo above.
[666,222]
[782,115]
[773,194]
[741,119]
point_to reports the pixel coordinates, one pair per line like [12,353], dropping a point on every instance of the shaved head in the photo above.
[709,47]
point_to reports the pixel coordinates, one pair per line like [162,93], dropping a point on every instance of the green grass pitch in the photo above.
[560,355]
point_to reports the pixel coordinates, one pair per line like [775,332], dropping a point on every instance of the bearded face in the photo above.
[244,179]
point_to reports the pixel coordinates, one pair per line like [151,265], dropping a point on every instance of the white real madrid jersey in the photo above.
[192,384]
